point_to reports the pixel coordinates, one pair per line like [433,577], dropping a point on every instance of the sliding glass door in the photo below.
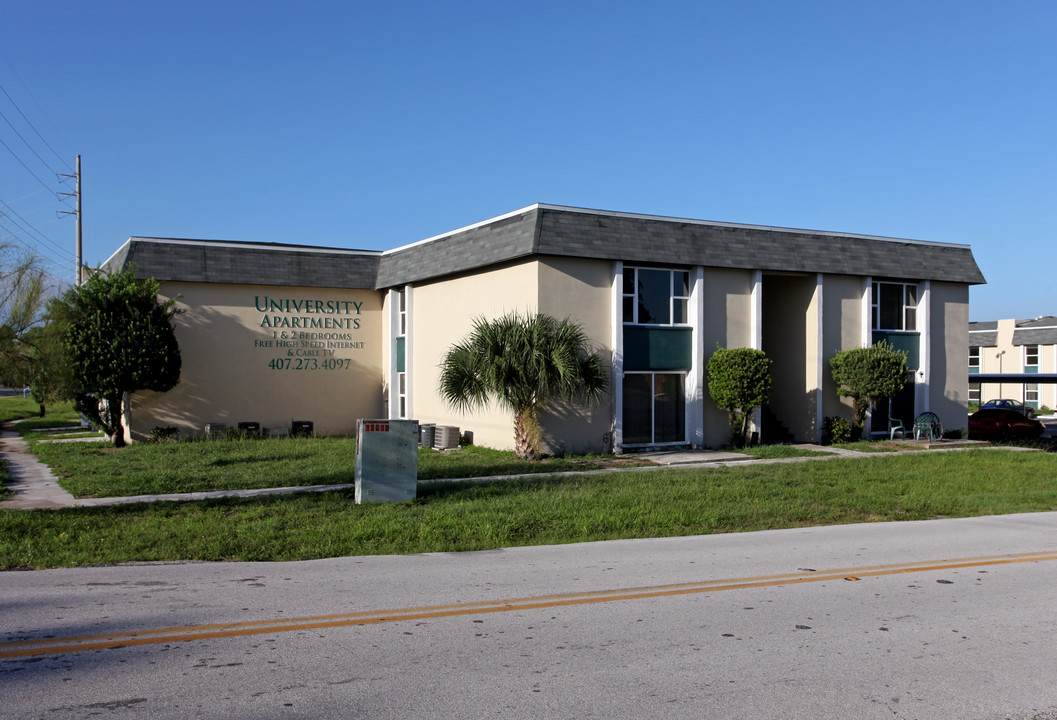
[654,408]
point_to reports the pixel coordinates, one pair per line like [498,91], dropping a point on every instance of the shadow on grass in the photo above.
[1045,444]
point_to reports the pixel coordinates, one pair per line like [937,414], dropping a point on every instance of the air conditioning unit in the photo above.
[216,430]
[446,437]
[303,428]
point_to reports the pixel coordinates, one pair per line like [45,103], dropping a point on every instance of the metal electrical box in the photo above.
[386,460]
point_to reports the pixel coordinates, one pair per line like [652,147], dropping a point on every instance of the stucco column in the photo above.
[695,379]
[617,339]
[393,319]
[756,332]
[924,373]
[867,339]
[409,364]
[819,357]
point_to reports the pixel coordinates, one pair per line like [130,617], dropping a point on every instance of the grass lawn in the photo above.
[457,516]
[771,452]
[99,470]
[16,407]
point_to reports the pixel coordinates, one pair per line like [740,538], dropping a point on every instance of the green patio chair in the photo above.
[928,423]
[895,425]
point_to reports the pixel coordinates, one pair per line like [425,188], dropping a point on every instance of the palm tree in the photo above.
[524,362]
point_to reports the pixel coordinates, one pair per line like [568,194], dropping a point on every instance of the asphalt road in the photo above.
[937,619]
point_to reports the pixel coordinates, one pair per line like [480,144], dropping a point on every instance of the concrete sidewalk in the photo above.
[32,484]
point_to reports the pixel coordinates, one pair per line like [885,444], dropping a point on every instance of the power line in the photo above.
[26,142]
[26,213]
[43,184]
[27,235]
[26,228]
[39,250]
[38,192]
[65,163]
[43,253]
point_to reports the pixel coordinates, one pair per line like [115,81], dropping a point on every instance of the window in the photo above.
[1031,394]
[402,309]
[895,306]
[654,409]
[401,387]
[974,393]
[974,359]
[1031,358]
[656,297]
[401,375]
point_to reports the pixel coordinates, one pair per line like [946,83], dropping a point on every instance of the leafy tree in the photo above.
[739,381]
[120,339]
[49,371]
[23,290]
[525,362]
[868,374]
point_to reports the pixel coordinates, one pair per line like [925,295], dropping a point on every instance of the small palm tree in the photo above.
[524,362]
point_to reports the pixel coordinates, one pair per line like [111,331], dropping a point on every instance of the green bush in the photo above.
[237,433]
[739,381]
[164,434]
[836,431]
[868,374]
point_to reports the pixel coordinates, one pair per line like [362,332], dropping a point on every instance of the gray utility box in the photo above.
[386,460]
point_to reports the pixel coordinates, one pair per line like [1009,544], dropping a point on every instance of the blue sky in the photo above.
[371,125]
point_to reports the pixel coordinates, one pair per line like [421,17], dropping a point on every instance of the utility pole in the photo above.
[77,278]
[77,255]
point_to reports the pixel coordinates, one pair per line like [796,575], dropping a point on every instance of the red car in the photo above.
[993,423]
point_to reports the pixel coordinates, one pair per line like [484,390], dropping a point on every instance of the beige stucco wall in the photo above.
[442,314]
[329,375]
[726,322]
[949,359]
[997,359]
[790,339]
[582,290]
[842,330]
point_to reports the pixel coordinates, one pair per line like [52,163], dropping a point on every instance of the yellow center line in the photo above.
[155,636]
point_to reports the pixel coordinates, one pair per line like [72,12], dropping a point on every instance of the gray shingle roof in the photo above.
[553,231]
[247,263]
[574,232]
[983,334]
[506,238]
[1036,335]
[1040,331]
[1045,321]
